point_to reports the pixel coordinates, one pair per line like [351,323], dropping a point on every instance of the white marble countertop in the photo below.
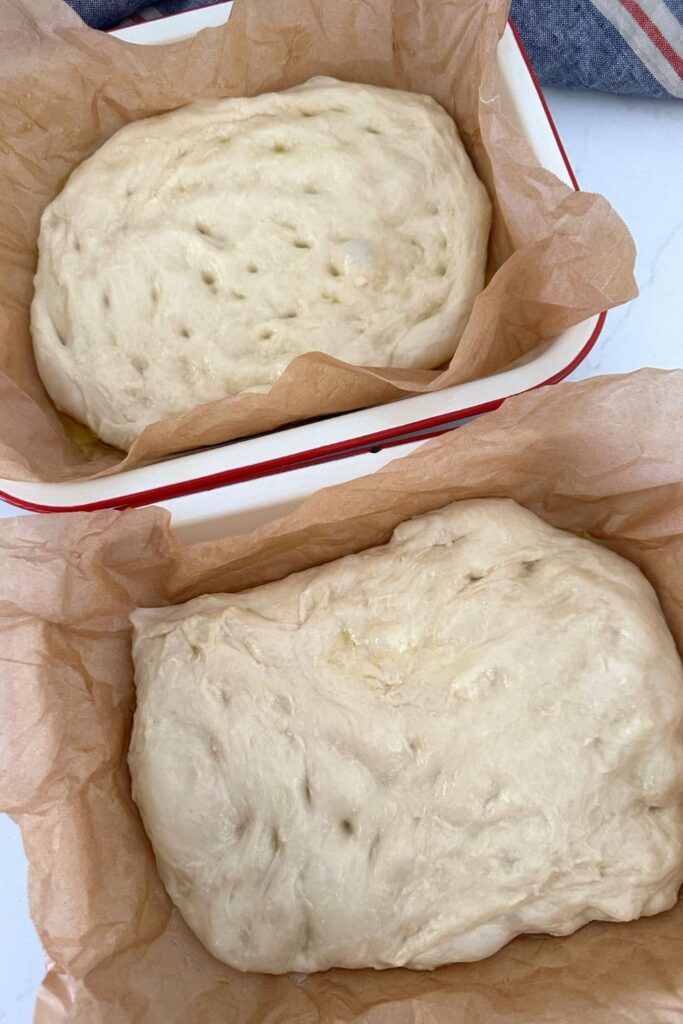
[630,150]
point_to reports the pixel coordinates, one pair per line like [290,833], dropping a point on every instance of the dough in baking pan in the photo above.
[197,253]
[411,755]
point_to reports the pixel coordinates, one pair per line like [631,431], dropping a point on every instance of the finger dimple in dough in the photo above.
[409,756]
[226,238]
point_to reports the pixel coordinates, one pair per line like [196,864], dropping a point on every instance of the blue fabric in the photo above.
[569,42]
[572,45]
[108,13]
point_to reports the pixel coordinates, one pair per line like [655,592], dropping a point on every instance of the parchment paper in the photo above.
[603,458]
[556,256]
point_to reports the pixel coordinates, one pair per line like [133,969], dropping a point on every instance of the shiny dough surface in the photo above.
[411,755]
[197,253]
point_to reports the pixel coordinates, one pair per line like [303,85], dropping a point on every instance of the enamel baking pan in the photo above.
[368,430]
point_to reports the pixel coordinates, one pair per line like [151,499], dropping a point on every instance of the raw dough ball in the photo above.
[197,253]
[411,755]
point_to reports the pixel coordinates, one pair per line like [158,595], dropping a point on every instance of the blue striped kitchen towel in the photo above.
[624,46]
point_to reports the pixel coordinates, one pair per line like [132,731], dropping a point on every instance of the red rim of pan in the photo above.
[350,446]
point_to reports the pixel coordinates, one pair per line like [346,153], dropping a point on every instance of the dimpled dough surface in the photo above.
[197,253]
[411,755]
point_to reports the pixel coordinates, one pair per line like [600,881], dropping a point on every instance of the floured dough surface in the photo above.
[411,755]
[197,253]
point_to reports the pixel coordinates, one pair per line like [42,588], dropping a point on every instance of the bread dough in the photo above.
[411,755]
[197,253]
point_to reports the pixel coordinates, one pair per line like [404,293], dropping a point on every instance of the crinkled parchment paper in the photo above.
[556,256]
[603,458]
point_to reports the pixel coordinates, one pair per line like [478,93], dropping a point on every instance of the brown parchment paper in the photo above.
[556,256]
[603,458]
